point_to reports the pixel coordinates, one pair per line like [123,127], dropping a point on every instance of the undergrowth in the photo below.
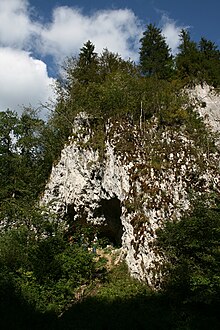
[115,301]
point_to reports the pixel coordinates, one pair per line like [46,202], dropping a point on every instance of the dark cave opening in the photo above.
[70,212]
[112,228]
[110,231]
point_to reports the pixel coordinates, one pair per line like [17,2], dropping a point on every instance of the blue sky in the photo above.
[37,35]
[201,16]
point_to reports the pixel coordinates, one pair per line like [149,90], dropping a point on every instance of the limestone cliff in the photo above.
[143,176]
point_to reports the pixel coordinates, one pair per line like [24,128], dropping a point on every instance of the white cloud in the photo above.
[117,30]
[23,80]
[16,27]
[171,31]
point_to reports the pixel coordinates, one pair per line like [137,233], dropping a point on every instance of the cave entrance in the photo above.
[110,231]
[112,228]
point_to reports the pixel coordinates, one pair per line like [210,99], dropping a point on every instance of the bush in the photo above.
[45,272]
[192,249]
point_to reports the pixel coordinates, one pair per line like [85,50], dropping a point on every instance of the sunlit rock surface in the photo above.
[208,105]
[142,177]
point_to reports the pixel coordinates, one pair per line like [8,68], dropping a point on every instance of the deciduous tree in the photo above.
[192,249]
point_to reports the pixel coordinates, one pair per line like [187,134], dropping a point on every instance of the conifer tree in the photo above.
[87,65]
[155,57]
[210,62]
[188,58]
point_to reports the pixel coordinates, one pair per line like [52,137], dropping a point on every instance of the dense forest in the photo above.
[42,271]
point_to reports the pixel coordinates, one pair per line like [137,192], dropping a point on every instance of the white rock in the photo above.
[83,181]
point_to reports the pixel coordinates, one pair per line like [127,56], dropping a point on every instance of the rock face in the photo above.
[142,177]
[209,108]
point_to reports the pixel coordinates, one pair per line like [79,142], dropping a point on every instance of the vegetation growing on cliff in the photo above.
[107,87]
[39,266]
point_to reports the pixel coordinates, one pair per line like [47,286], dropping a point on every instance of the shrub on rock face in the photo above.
[192,249]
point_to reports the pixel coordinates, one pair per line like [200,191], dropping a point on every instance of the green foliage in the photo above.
[110,63]
[102,94]
[130,304]
[198,63]
[191,248]
[77,265]
[166,101]
[22,165]
[188,58]
[8,159]
[118,91]
[121,286]
[210,62]
[27,150]
[14,248]
[53,286]
[45,271]
[155,57]
[87,66]
[46,252]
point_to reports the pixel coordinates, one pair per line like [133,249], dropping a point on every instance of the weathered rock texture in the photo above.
[208,106]
[142,177]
